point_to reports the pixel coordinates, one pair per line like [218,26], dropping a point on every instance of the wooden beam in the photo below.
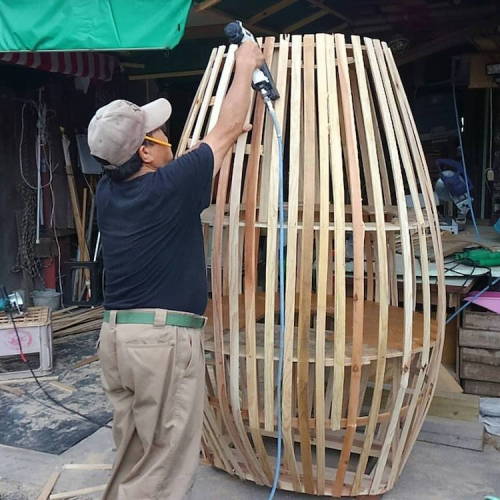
[171,74]
[305,21]
[206,4]
[206,31]
[254,28]
[321,5]
[269,11]
[446,41]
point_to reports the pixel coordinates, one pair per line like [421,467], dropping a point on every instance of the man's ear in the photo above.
[145,154]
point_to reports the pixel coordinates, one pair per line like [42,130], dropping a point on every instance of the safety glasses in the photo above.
[158,141]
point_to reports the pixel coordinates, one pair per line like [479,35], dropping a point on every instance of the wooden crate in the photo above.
[479,353]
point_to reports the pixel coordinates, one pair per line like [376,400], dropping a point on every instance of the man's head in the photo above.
[122,131]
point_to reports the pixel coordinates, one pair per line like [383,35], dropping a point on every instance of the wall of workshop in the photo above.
[69,108]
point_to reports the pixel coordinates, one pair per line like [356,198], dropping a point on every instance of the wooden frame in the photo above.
[359,371]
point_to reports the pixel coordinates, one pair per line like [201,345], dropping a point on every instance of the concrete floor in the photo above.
[433,472]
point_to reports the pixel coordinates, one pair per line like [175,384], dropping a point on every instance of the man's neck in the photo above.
[145,169]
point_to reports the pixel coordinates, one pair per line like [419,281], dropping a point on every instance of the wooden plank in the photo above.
[250,277]
[339,236]
[87,466]
[486,339]
[305,278]
[77,493]
[205,4]
[271,240]
[447,382]
[426,186]
[484,356]
[49,485]
[203,107]
[482,388]
[304,21]
[234,276]
[167,74]
[478,371]
[455,406]
[481,321]
[358,256]
[468,435]
[379,77]
[295,167]
[322,259]
[382,262]
[195,106]
[269,11]
[217,265]
[407,164]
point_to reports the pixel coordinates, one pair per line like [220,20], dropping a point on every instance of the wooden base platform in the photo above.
[370,330]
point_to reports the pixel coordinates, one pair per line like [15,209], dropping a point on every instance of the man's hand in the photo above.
[249,54]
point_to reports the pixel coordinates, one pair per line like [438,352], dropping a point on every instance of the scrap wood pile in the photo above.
[73,320]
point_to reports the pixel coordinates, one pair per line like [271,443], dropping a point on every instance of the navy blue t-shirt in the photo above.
[152,239]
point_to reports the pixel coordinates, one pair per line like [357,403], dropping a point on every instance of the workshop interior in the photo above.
[393,85]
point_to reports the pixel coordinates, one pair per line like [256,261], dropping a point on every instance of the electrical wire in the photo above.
[33,374]
[459,132]
[281,246]
[471,301]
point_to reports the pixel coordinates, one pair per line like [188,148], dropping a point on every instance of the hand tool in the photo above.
[262,79]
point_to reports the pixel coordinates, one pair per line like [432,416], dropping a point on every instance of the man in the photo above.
[148,212]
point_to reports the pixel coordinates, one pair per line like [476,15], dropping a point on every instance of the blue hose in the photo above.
[466,175]
[281,246]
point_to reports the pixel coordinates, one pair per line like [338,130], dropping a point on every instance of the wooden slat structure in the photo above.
[360,362]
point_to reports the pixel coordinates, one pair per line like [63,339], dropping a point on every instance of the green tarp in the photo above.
[69,25]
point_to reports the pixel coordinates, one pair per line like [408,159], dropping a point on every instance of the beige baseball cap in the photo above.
[117,130]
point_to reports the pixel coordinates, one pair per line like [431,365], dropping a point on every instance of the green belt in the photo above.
[185,320]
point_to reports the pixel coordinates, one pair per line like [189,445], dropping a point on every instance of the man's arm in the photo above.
[231,122]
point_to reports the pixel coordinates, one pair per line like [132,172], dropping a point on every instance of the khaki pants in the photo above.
[154,378]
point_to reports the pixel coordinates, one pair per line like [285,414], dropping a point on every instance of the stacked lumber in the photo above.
[74,320]
[479,359]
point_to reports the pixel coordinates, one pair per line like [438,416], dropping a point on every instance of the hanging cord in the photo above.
[33,374]
[281,246]
[459,132]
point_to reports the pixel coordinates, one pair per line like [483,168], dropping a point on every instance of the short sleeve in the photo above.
[191,174]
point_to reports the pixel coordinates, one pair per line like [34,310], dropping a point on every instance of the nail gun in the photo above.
[262,79]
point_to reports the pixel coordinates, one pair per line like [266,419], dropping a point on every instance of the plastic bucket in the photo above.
[47,298]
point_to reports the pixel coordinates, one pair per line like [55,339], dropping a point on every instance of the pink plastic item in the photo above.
[488,300]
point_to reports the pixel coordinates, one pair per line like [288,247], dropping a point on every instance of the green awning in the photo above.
[72,25]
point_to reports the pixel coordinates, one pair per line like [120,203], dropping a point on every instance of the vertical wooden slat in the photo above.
[250,278]
[195,106]
[291,257]
[322,259]
[424,264]
[207,98]
[271,242]
[426,186]
[383,282]
[217,292]
[339,235]
[305,279]
[405,246]
[358,254]
[234,274]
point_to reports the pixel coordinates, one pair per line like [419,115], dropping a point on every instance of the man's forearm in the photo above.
[235,105]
